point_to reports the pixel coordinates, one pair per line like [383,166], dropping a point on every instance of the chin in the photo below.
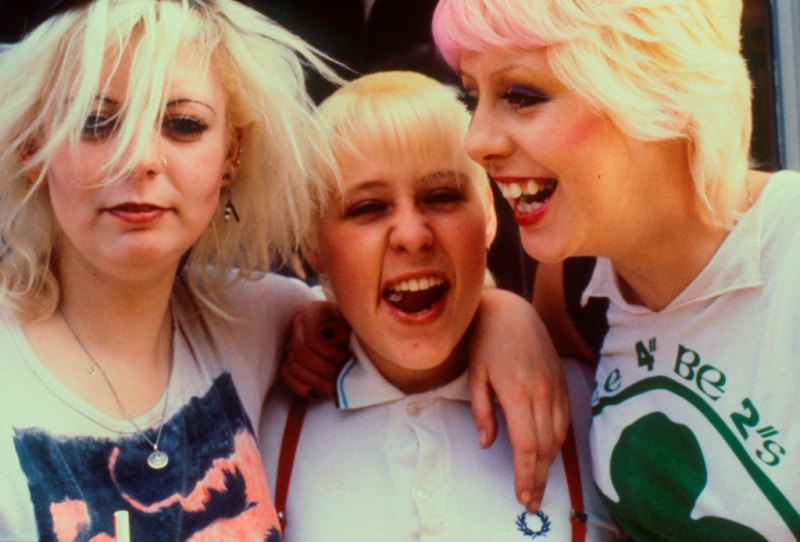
[420,358]
[545,250]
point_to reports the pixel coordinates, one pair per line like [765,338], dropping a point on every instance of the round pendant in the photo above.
[157,460]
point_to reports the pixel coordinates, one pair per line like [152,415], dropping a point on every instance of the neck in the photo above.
[410,380]
[125,320]
[661,266]
[661,271]
[125,308]
[129,336]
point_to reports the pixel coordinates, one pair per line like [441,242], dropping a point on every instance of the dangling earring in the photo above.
[230,209]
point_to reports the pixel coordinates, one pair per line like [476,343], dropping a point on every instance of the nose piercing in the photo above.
[164,160]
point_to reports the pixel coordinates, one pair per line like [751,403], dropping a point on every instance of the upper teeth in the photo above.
[415,285]
[522,188]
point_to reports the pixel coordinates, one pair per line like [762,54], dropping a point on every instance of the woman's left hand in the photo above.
[317,350]
[512,358]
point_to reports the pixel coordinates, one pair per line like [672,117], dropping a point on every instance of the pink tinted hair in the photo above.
[659,69]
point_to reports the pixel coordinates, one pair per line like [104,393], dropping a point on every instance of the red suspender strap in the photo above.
[569,453]
[291,435]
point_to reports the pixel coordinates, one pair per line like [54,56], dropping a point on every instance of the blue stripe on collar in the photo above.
[341,398]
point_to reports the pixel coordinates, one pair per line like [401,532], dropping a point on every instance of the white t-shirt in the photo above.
[695,433]
[384,465]
[67,467]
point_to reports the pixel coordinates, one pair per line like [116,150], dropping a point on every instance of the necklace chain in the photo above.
[157,459]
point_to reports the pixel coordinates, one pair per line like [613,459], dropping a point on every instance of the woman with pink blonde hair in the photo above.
[619,133]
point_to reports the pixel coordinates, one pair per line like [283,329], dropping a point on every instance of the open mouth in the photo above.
[530,195]
[415,296]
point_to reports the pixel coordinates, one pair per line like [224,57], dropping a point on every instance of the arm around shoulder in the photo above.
[512,358]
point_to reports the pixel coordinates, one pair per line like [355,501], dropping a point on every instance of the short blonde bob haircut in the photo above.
[386,115]
[400,114]
[49,81]
[659,69]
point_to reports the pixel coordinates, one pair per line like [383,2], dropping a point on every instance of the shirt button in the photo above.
[412,409]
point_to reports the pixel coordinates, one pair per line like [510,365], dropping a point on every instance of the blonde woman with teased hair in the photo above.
[619,133]
[156,158]
[154,164]
[401,244]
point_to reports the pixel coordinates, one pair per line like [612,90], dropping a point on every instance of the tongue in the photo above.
[413,302]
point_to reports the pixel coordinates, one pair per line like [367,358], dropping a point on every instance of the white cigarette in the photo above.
[122,527]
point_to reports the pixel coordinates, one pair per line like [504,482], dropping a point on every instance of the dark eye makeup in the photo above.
[469,101]
[521,96]
[184,126]
[98,126]
[517,96]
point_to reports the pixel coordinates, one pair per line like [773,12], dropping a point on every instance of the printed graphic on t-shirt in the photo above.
[677,453]
[212,489]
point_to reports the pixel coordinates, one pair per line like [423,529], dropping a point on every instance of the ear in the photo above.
[233,157]
[24,156]
[313,257]
[491,217]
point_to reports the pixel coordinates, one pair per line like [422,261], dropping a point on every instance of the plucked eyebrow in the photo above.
[435,176]
[180,101]
[503,69]
[106,100]
[171,103]
[363,187]
[428,179]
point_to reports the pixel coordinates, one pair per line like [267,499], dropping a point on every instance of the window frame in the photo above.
[785,15]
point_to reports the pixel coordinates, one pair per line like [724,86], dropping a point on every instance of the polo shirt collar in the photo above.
[360,384]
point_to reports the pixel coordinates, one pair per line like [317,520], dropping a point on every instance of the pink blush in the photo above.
[582,130]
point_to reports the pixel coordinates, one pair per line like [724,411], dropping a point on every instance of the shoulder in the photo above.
[776,189]
[270,296]
[269,293]
[256,325]
[778,197]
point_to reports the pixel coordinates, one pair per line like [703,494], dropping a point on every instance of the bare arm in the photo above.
[526,376]
[548,299]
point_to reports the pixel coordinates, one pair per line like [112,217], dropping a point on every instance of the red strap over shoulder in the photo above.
[569,453]
[291,436]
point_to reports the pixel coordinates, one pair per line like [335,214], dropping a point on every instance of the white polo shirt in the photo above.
[384,465]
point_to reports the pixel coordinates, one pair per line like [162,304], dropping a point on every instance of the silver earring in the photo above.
[230,209]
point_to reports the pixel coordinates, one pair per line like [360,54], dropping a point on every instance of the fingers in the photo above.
[305,382]
[529,443]
[547,416]
[323,331]
[317,350]
[482,404]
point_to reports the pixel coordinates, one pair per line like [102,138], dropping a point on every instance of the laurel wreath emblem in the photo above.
[522,525]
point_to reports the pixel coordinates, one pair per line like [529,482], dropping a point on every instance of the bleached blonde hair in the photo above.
[659,69]
[49,81]
[391,114]
[400,114]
